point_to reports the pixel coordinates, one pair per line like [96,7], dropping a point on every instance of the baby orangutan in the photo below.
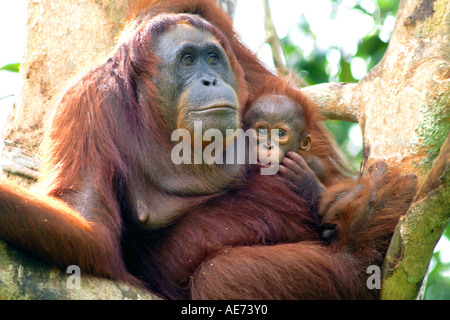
[281,130]
[279,126]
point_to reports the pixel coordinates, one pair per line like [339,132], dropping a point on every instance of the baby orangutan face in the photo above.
[279,125]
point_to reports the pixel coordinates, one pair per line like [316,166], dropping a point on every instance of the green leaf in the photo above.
[447,232]
[12,67]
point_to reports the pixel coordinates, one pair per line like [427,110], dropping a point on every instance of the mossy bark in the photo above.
[23,277]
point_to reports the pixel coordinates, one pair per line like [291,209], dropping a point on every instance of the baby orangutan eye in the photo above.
[261,131]
[281,133]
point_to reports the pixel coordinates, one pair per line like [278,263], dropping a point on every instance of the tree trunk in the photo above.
[403,108]
[64,37]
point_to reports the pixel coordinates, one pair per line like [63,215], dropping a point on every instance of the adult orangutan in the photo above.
[117,206]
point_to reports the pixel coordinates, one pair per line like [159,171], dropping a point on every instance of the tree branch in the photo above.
[23,277]
[418,232]
[17,163]
[273,40]
[335,100]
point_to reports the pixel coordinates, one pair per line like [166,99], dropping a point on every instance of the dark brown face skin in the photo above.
[277,112]
[196,81]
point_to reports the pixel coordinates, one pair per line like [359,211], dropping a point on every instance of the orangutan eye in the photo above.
[261,131]
[188,59]
[213,58]
[281,133]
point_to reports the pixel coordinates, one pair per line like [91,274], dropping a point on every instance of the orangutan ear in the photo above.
[306,144]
